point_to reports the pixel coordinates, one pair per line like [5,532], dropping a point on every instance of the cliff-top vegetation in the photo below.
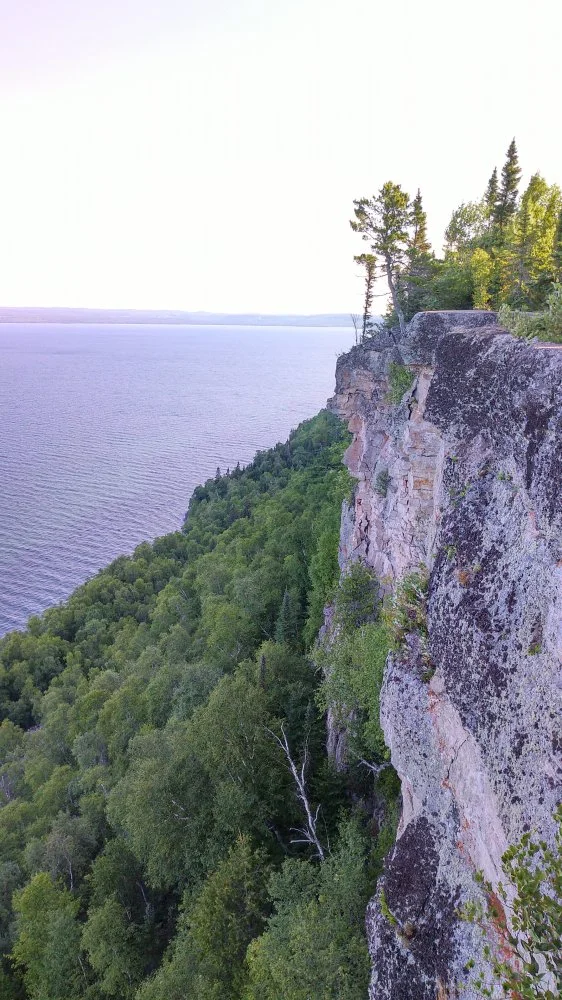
[503,250]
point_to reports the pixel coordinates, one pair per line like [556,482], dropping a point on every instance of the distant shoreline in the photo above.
[163,317]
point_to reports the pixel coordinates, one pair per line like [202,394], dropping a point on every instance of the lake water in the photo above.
[105,431]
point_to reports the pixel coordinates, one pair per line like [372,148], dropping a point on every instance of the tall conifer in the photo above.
[507,197]
[420,243]
[420,261]
[369,262]
[384,221]
[491,194]
[557,252]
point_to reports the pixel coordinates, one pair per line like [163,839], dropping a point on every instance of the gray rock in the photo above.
[473,454]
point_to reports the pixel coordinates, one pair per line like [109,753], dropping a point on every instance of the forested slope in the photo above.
[150,828]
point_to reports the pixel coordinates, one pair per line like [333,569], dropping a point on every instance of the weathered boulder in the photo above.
[462,477]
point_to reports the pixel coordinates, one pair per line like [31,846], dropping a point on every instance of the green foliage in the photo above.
[369,262]
[115,949]
[400,380]
[145,802]
[352,657]
[354,665]
[357,598]
[405,610]
[324,570]
[208,956]
[47,947]
[385,909]
[314,945]
[384,221]
[542,326]
[506,201]
[502,250]
[382,482]
[528,963]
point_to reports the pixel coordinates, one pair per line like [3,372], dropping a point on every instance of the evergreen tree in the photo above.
[419,241]
[420,261]
[369,262]
[557,251]
[491,195]
[529,263]
[287,627]
[507,197]
[384,222]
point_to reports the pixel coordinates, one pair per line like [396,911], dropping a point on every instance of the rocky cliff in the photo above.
[463,477]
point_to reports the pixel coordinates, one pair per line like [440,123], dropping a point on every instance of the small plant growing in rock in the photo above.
[531,942]
[400,379]
[405,610]
[464,577]
[382,482]
[386,911]
[457,493]
[534,648]
[450,552]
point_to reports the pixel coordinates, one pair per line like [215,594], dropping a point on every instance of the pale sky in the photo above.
[204,154]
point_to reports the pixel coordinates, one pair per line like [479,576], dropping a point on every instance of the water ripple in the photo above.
[105,432]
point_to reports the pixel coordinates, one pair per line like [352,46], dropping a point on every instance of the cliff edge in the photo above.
[461,476]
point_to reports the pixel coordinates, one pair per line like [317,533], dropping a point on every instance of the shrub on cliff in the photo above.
[352,658]
[529,961]
[545,325]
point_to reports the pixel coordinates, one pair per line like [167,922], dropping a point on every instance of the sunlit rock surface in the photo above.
[471,459]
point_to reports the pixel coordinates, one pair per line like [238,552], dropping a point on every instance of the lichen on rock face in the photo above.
[472,462]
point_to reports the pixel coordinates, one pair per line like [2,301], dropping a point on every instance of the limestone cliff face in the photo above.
[473,459]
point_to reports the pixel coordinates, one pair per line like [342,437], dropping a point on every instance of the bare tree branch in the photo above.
[308,832]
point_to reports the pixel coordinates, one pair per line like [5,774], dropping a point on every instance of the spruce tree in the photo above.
[419,243]
[420,261]
[491,195]
[507,197]
[288,620]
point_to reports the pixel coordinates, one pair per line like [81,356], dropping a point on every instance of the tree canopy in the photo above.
[148,811]
[503,250]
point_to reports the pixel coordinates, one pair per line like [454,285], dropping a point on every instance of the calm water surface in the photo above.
[105,431]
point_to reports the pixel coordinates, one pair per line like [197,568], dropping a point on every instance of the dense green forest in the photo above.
[505,249]
[163,737]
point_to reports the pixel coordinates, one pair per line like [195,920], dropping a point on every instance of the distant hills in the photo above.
[52,314]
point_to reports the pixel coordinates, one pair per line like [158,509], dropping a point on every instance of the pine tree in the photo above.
[384,221]
[507,198]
